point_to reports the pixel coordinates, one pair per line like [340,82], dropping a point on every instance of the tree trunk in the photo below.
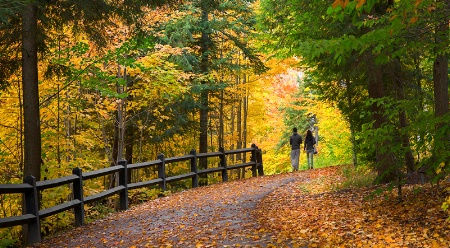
[118,146]
[406,144]
[130,131]
[204,99]
[244,124]
[244,137]
[32,133]
[441,95]
[221,120]
[353,140]
[419,96]
[440,78]
[237,100]
[120,116]
[32,130]
[384,159]
[20,125]
[232,128]
[239,136]
[239,126]
[221,107]
[352,128]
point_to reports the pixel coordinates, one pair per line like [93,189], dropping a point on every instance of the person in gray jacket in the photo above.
[295,140]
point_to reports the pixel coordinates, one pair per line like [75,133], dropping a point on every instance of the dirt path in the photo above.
[220,215]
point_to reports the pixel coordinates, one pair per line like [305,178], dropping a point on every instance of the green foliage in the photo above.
[297,114]
[338,54]
[422,135]
[53,197]
[8,239]
[10,8]
[97,211]
[357,177]
[140,195]
[10,205]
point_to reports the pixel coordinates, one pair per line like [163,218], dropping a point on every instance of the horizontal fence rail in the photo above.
[31,189]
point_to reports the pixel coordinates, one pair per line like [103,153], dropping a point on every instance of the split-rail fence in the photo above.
[31,188]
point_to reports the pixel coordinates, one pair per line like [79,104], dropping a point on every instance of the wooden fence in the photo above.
[31,189]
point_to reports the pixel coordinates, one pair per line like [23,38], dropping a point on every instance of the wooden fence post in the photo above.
[254,160]
[32,207]
[162,172]
[223,163]
[194,168]
[78,194]
[123,195]
[259,160]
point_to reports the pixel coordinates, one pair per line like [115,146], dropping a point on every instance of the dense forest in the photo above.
[89,83]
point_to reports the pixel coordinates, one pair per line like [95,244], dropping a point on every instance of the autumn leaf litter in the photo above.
[287,210]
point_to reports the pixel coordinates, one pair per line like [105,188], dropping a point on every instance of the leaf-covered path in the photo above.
[218,215]
[287,210]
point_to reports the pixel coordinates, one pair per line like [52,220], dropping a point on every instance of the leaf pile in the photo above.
[310,215]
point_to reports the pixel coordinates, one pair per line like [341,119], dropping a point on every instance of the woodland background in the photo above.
[88,83]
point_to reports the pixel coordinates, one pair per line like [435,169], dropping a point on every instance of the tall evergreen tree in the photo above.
[203,25]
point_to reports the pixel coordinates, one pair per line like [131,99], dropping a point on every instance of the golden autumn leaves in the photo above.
[311,215]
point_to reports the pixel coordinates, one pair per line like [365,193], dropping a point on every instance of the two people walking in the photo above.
[309,146]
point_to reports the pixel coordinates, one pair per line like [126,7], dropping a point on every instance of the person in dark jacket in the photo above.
[310,142]
[295,140]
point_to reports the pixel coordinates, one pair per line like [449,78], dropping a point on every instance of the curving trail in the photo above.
[219,215]
[300,209]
